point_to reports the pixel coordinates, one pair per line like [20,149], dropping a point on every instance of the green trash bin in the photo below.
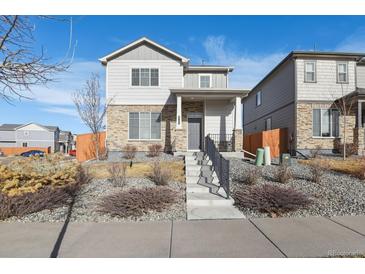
[259,157]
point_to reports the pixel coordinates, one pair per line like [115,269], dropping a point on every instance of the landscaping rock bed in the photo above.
[337,194]
[86,205]
[142,157]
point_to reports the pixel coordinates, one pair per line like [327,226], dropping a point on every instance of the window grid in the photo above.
[258,98]
[145,77]
[310,71]
[145,120]
[204,81]
[342,73]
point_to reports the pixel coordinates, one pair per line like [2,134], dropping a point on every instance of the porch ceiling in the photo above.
[201,93]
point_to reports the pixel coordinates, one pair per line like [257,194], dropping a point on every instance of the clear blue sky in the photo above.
[253,44]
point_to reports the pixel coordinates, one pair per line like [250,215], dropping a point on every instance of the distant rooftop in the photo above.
[11,127]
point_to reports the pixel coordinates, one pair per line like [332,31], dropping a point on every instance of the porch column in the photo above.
[238,114]
[178,113]
[359,114]
[237,131]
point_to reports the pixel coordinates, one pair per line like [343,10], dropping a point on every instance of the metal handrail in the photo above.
[223,142]
[220,165]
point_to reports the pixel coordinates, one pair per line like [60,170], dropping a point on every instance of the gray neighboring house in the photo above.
[300,94]
[29,135]
[66,141]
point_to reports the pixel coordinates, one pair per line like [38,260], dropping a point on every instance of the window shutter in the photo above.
[316,122]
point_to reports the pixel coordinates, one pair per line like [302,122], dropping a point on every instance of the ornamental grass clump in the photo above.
[118,174]
[154,150]
[272,199]
[136,202]
[160,175]
[283,174]
[317,170]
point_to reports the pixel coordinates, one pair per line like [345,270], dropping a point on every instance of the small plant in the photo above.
[314,153]
[272,199]
[252,176]
[154,150]
[129,151]
[160,175]
[317,170]
[283,174]
[136,202]
[360,173]
[118,174]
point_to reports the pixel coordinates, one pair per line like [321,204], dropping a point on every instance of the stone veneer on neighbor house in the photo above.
[305,139]
[172,139]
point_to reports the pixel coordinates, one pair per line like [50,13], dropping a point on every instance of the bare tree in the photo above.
[344,106]
[21,66]
[90,108]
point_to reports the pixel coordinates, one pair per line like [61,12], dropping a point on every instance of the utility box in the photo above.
[285,159]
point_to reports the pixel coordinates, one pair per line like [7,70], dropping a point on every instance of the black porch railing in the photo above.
[223,142]
[220,165]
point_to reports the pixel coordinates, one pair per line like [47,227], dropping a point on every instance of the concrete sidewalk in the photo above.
[280,237]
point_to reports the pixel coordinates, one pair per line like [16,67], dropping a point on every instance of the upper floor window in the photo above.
[310,71]
[268,125]
[146,77]
[258,98]
[205,80]
[342,72]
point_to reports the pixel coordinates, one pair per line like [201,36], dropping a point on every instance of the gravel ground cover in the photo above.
[337,194]
[86,205]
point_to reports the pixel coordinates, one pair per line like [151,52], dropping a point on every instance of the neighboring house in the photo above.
[300,94]
[29,135]
[156,97]
[66,141]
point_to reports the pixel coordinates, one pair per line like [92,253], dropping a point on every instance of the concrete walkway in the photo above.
[280,237]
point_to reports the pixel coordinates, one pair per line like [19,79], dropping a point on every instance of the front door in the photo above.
[194,133]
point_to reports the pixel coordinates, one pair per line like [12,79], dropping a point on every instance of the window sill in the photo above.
[144,140]
[310,82]
[346,83]
[142,87]
[319,137]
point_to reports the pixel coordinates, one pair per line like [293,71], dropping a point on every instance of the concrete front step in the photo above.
[191,162]
[213,212]
[207,199]
[195,188]
[197,178]
[189,173]
[187,158]
[193,167]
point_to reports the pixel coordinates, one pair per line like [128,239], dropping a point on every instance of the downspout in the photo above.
[295,132]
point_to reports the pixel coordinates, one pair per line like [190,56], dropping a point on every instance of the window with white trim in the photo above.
[326,123]
[310,71]
[204,80]
[144,125]
[25,144]
[146,77]
[258,98]
[342,73]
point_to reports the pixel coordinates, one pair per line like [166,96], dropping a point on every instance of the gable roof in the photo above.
[141,40]
[12,127]
[209,68]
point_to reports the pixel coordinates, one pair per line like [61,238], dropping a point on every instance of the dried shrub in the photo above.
[160,175]
[154,150]
[118,174]
[317,170]
[314,153]
[360,173]
[48,197]
[136,202]
[129,152]
[283,174]
[31,174]
[252,176]
[272,199]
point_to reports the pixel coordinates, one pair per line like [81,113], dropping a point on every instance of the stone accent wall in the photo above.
[305,140]
[171,138]
[238,140]
[359,136]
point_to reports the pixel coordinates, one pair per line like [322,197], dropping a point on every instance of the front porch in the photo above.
[203,112]
[358,98]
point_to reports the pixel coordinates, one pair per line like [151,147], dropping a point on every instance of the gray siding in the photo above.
[145,52]
[360,76]
[7,136]
[326,87]
[191,79]
[278,95]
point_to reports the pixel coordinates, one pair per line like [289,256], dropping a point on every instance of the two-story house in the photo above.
[155,96]
[304,94]
[29,135]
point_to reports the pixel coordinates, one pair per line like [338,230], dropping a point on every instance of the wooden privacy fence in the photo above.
[276,139]
[9,151]
[85,147]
